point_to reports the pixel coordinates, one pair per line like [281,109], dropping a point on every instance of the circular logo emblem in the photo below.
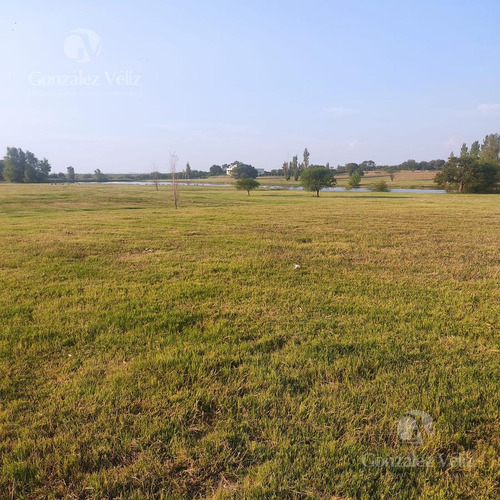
[82,45]
[414,425]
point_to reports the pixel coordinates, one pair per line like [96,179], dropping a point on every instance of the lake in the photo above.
[270,186]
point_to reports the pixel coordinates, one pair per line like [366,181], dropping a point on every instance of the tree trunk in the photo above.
[248,192]
[317,193]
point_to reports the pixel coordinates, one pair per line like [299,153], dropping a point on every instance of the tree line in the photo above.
[476,170]
[24,167]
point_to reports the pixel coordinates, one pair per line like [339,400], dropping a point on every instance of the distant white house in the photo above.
[229,170]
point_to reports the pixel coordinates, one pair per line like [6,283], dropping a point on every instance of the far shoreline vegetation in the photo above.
[475,170]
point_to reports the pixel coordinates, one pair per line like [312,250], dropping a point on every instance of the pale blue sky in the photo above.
[256,81]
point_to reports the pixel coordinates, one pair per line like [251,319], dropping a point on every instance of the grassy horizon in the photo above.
[148,352]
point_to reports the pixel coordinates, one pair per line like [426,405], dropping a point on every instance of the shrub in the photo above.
[380,186]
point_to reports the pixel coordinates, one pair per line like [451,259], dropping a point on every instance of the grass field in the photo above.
[152,353]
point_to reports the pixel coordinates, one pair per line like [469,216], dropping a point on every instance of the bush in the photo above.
[380,187]
[354,180]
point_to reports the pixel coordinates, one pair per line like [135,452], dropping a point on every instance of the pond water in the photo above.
[270,186]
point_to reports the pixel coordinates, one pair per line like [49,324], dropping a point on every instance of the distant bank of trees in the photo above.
[370,165]
[475,170]
[293,169]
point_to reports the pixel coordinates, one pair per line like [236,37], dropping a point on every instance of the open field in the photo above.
[152,353]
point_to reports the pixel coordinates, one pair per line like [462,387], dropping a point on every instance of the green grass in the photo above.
[152,353]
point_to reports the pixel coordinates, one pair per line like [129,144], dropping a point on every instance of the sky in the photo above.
[122,85]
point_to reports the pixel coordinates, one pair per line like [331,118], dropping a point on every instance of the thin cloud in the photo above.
[341,111]
[451,142]
[352,145]
[489,109]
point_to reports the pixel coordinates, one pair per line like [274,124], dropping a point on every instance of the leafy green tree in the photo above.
[368,165]
[70,173]
[468,174]
[475,149]
[243,171]
[350,168]
[354,180]
[409,165]
[20,166]
[99,176]
[1,170]
[216,170]
[14,165]
[490,150]
[188,171]
[436,164]
[317,178]
[247,184]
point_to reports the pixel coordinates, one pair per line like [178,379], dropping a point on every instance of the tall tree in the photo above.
[173,171]
[70,173]
[286,170]
[155,176]
[490,149]
[295,167]
[14,165]
[306,158]
[188,171]
[475,149]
